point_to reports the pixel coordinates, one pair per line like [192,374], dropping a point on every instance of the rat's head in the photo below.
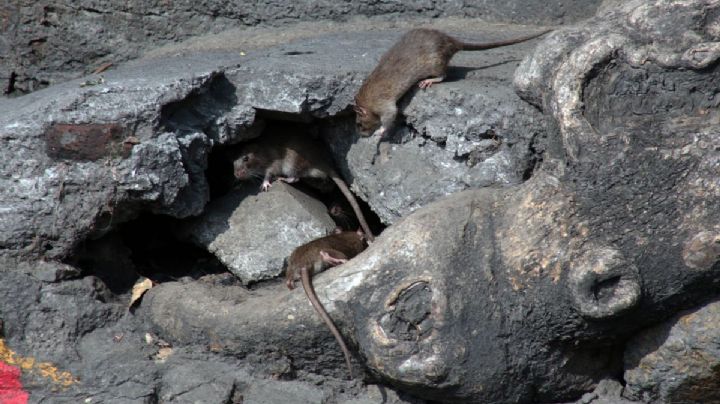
[359,237]
[366,121]
[248,163]
[339,210]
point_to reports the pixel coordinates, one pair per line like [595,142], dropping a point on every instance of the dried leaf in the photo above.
[138,290]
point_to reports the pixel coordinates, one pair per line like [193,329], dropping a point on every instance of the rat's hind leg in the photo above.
[429,82]
[436,71]
[333,257]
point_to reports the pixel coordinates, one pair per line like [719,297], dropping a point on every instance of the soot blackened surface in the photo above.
[411,313]
[146,247]
[633,189]
[618,96]
[640,110]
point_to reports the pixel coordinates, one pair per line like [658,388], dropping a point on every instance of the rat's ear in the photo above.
[360,110]
[360,232]
[337,230]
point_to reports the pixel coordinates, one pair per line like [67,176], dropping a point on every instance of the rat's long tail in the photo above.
[312,296]
[490,45]
[353,202]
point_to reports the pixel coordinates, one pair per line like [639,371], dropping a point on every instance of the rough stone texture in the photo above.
[608,391]
[53,199]
[132,378]
[76,342]
[600,222]
[60,332]
[283,392]
[253,232]
[677,361]
[50,42]
[51,315]
[379,394]
[199,381]
[472,131]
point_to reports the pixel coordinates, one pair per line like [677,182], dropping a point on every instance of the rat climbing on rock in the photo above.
[316,256]
[421,56]
[289,158]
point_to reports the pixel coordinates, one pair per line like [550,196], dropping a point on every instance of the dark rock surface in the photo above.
[55,196]
[677,361]
[528,243]
[75,341]
[44,43]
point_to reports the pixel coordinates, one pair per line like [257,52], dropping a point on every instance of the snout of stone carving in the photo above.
[603,283]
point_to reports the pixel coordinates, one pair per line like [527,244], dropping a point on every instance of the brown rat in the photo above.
[289,158]
[317,256]
[420,56]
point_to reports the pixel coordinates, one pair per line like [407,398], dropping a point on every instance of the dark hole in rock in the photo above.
[145,246]
[219,174]
[200,110]
[604,290]
[219,171]
[295,53]
[536,156]
[10,88]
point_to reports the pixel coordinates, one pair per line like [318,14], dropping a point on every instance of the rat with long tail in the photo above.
[316,256]
[421,57]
